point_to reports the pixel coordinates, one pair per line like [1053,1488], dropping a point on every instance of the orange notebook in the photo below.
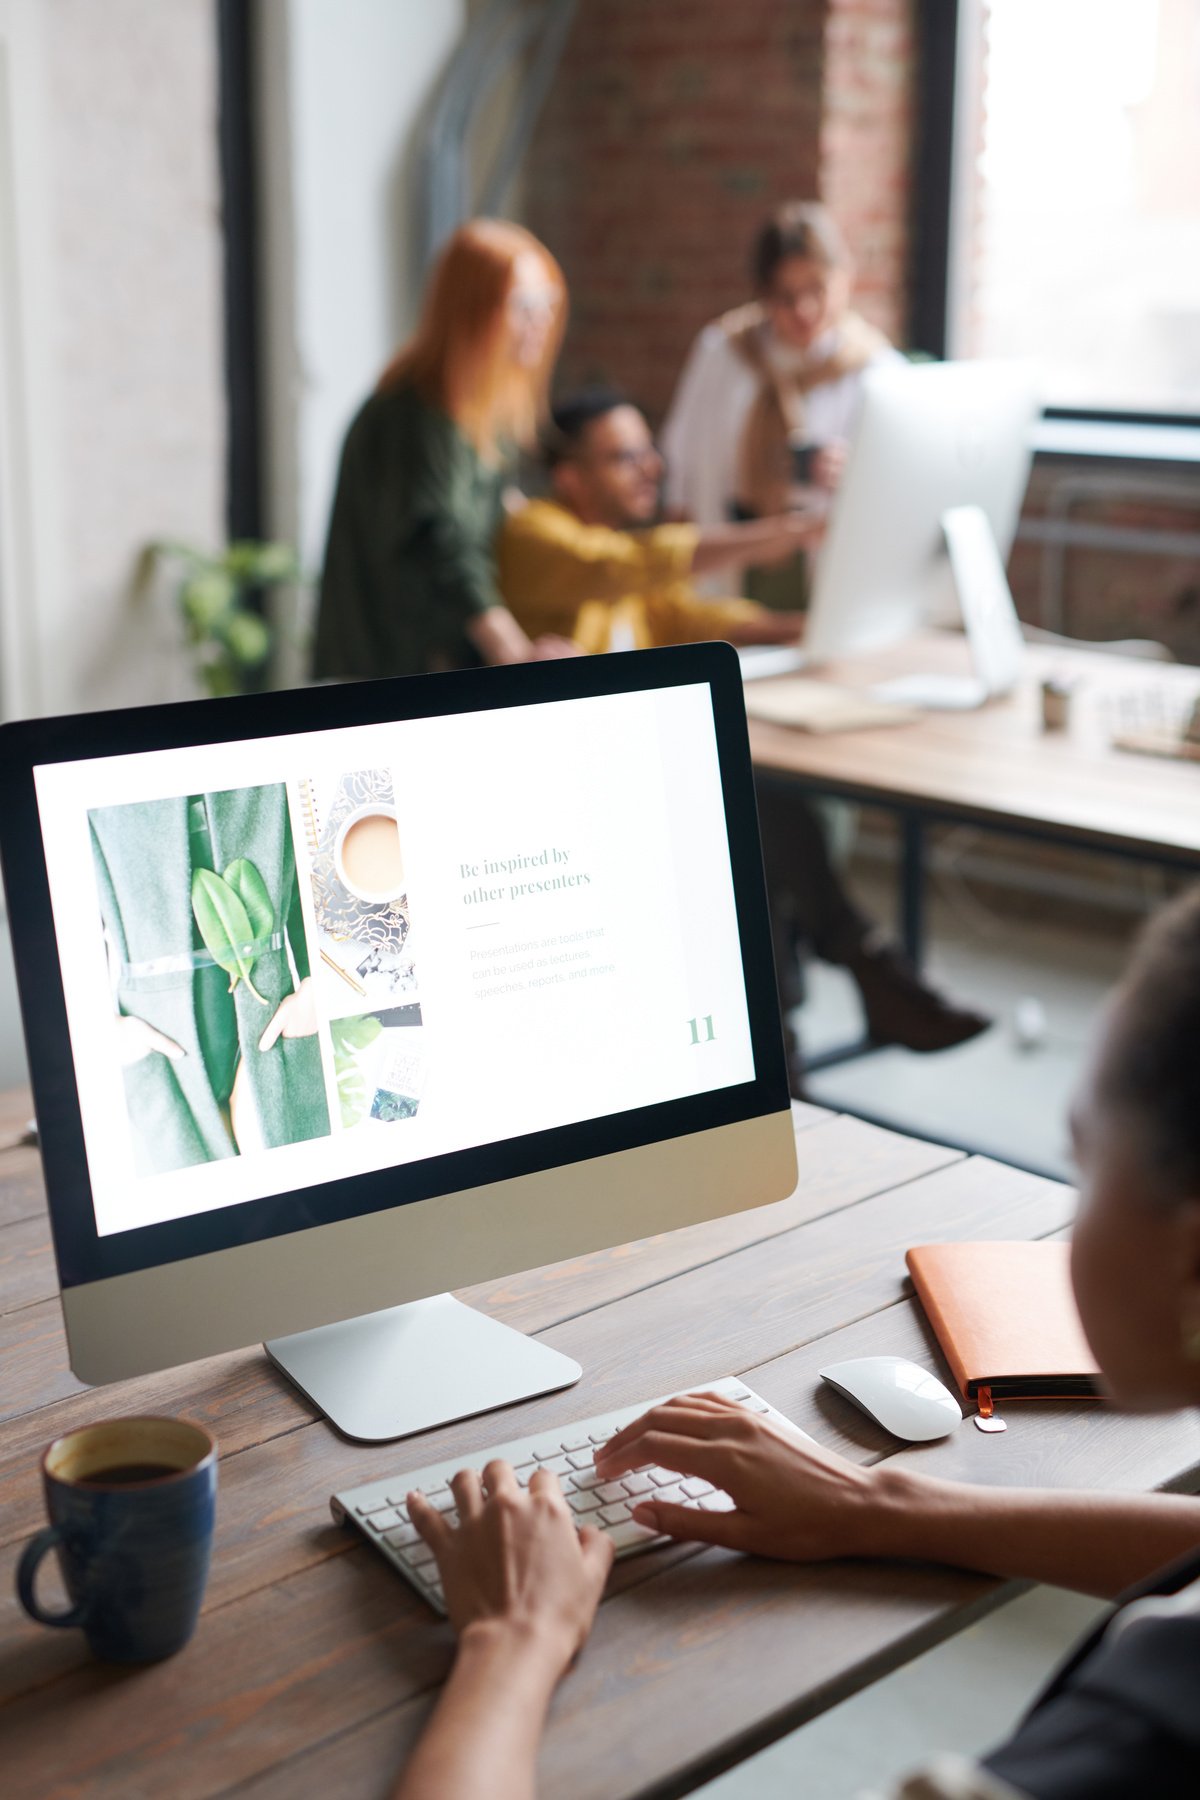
[1006,1319]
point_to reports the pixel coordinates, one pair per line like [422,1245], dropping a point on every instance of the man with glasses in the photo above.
[591,564]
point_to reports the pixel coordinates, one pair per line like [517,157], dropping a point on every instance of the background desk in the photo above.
[314,1667]
[995,767]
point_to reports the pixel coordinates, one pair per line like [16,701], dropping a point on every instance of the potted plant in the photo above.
[230,636]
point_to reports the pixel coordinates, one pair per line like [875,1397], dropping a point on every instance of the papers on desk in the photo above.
[809,705]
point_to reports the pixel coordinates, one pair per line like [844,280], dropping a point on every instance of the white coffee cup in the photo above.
[367,857]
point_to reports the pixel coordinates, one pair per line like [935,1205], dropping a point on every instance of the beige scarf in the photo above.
[776,417]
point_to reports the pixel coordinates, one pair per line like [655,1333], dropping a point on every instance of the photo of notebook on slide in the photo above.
[1005,1317]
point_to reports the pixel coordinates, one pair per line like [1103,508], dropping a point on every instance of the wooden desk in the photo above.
[314,1668]
[995,767]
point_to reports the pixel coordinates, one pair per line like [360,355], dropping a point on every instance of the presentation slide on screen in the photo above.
[290,960]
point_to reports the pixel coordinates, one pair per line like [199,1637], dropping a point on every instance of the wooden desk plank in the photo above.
[997,765]
[275,1521]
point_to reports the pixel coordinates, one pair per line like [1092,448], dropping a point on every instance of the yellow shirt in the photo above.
[595,585]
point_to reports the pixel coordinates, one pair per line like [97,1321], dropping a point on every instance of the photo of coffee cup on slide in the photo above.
[367,855]
[354,834]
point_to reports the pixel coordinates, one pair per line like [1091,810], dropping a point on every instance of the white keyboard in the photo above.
[379,1512]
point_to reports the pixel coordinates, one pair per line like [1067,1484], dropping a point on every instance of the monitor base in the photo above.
[410,1368]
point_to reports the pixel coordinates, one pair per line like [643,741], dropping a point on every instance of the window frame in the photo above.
[947,34]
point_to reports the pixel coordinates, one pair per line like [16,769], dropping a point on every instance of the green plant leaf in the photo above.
[352,1096]
[207,597]
[251,890]
[224,927]
[354,1034]
[247,636]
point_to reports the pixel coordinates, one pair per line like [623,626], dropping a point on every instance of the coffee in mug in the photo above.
[131,1504]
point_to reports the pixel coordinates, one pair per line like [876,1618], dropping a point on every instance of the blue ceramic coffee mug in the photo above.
[131,1505]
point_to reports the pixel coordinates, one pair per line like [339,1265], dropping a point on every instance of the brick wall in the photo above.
[676,125]
[867,134]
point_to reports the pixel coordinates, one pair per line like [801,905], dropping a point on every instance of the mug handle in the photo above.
[27,1569]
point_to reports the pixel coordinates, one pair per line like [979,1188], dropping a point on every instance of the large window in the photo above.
[1077,197]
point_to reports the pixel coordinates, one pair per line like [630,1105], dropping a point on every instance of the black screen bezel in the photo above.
[83,1255]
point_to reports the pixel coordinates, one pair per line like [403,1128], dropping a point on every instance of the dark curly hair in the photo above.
[1152,1064]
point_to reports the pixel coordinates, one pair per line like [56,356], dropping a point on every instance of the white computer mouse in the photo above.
[901,1396]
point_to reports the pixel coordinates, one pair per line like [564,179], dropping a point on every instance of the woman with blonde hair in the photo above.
[409,579]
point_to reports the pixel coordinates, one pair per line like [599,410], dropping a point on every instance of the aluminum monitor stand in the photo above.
[409,1368]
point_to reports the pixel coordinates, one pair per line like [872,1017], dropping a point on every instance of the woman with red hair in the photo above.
[409,579]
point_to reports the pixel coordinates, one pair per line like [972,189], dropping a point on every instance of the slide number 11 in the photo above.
[707,1035]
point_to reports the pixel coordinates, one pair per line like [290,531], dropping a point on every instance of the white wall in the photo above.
[345,90]
[114,429]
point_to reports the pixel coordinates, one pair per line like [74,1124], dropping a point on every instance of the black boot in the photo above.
[900,1007]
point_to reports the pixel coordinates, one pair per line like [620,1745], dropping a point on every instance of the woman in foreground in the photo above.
[1122,1718]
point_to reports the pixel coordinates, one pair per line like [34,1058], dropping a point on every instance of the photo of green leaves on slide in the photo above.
[379,1061]
[214,1016]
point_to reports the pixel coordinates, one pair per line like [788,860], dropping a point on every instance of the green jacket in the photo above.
[410,557]
[145,856]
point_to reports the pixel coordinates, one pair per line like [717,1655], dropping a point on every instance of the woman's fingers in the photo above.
[708,1457]
[468,1495]
[691,1415]
[498,1478]
[682,1430]
[543,1482]
[428,1521]
[693,1523]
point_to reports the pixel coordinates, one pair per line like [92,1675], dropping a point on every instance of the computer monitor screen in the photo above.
[931,437]
[338,997]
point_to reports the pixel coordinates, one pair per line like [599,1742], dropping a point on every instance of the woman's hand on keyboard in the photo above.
[516,1558]
[793,1499]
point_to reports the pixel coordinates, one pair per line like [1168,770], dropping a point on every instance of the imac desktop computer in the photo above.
[340,998]
[924,519]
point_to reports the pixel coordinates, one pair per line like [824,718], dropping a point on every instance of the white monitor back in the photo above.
[930,437]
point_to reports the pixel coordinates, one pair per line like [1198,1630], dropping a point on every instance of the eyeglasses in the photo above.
[631,458]
[533,303]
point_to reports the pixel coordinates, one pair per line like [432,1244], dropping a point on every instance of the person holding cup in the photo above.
[769,394]
[409,582]
[1119,1719]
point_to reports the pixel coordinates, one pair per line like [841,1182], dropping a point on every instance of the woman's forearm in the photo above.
[1094,1543]
[484,1734]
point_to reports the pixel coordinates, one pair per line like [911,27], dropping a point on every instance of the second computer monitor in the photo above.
[931,437]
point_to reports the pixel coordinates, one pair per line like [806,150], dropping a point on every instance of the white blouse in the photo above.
[704,425]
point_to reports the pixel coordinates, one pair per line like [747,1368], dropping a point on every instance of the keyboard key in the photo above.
[523,1471]
[560,1465]
[549,1453]
[672,1496]
[420,1557]
[638,1484]
[372,1506]
[587,1478]
[717,1502]
[577,1441]
[400,1501]
[441,1499]
[600,1437]
[581,1459]
[404,1534]
[662,1477]
[616,1514]
[695,1488]
[384,1521]
[625,1536]
[585,1502]
[610,1491]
